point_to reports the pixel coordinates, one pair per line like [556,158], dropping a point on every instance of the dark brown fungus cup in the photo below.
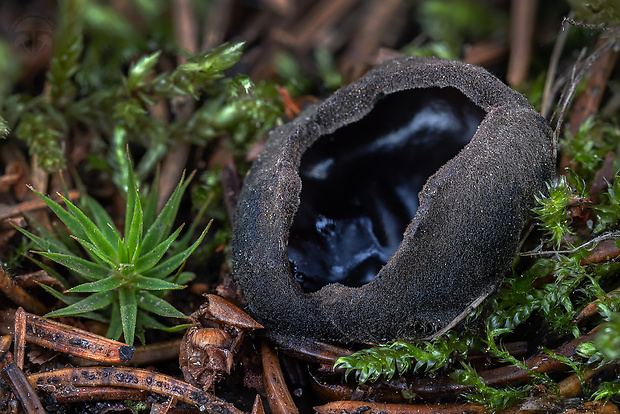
[438,149]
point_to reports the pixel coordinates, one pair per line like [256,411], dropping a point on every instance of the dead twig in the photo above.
[18,295]
[83,394]
[361,52]
[523,16]
[282,7]
[257,407]
[20,386]
[5,344]
[323,15]
[216,23]
[32,205]
[38,176]
[38,277]
[309,350]
[14,174]
[542,363]
[67,339]
[608,236]
[553,67]
[328,386]
[135,378]
[607,250]
[156,352]
[571,386]
[592,308]
[603,176]
[163,408]
[588,102]
[280,399]
[579,70]
[356,407]
[19,337]
[185,33]
[485,52]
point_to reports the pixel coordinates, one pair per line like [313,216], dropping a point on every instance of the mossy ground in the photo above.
[82,80]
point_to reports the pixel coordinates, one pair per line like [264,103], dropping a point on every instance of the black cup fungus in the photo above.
[439,150]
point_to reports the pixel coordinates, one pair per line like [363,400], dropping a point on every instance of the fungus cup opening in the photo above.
[332,191]
[360,184]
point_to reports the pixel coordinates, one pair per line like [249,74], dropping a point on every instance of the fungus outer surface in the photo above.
[461,241]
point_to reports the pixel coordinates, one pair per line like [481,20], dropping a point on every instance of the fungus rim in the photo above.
[512,146]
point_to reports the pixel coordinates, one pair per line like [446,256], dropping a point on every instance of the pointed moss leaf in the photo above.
[132,113]
[149,322]
[93,233]
[93,249]
[216,60]
[153,256]
[183,242]
[129,308]
[142,70]
[148,283]
[150,202]
[167,266]
[177,328]
[123,252]
[101,217]
[130,185]
[67,299]
[70,221]
[41,243]
[48,241]
[131,193]
[4,128]
[68,45]
[185,277]
[158,306]
[51,272]
[163,223]
[118,156]
[91,271]
[92,303]
[134,233]
[70,299]
[157,131]
[116,327]
[140,333]
[103,285]
[42,133]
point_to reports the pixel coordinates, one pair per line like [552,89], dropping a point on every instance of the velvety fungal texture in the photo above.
[439,150]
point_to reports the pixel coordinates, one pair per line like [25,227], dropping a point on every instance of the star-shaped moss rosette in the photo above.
[129,274]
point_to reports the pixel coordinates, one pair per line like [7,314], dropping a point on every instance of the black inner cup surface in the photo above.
[360,184]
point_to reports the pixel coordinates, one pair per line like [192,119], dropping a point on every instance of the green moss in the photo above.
[105,74]
[453,22]
[606,12]
[553,209]
[126,273]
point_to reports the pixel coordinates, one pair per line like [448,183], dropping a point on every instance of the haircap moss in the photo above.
[389,209]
